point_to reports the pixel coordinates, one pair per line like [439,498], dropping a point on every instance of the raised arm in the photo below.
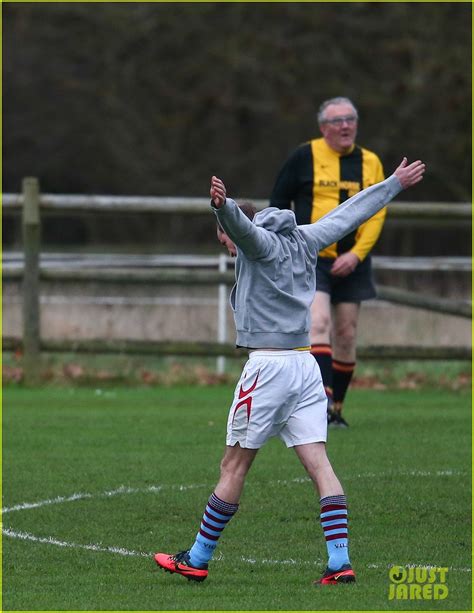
[255,242]
[356,210]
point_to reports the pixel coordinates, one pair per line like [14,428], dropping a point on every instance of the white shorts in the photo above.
[280,393]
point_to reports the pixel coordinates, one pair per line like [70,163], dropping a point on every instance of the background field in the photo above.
[135,467]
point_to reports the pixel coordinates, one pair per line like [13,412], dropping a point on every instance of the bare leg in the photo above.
[234,468]
[320,336]
[333,513]
[222,504]
[346,315]
[316,462]
[320,332]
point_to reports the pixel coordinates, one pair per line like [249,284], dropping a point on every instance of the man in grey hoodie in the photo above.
[280,392]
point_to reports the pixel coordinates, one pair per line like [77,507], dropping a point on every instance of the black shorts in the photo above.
[356,287]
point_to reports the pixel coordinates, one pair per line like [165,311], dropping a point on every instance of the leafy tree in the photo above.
[152,98]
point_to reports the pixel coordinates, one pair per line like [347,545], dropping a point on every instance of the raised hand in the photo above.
[218,192]
[410,174]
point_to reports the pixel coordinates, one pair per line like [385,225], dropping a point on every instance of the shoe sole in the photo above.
[188,577]
[350,578]
[341,580]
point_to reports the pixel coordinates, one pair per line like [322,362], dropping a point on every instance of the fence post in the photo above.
[31,312]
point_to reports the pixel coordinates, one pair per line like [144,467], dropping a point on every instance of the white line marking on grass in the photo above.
[388,566]
[123,489]
[154,489]
[49,540]
[42,503]
[408,473]
[290,562]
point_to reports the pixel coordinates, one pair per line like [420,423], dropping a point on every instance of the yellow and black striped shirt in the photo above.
[316,179]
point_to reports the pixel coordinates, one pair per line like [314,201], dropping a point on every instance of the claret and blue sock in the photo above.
[216,516]
[192,564]
[334,522]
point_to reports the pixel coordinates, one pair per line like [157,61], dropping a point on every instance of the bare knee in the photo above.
[313,457]
[321,325]
[232,468]
[345,336]
[321,318]
[237,462]
[316,463]
[345,331]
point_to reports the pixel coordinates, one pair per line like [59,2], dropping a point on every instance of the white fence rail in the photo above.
[162,204]
[31,267]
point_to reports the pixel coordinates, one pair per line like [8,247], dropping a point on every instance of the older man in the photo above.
[317,177]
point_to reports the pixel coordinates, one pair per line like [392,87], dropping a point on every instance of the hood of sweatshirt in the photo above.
[276,220]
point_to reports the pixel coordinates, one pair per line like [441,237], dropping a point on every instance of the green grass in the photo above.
[405,464]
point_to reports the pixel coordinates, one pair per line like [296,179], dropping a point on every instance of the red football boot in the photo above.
[179,563]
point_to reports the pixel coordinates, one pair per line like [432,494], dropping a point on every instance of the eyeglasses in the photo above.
[338,121]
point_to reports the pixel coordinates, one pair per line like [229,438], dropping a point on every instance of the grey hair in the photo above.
[338,100]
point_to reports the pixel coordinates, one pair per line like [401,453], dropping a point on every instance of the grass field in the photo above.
[96,480]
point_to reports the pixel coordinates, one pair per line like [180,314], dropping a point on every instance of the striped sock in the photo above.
[215,518]
[322,353]
[341,375]
[334,522]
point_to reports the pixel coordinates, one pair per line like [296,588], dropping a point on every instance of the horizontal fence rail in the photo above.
[163,204]
[214,277]
[14,261]
[417,300]
[32,268]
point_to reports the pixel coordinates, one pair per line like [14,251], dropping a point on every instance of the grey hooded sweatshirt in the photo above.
[275,269]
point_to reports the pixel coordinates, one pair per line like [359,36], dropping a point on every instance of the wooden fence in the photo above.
[32,202]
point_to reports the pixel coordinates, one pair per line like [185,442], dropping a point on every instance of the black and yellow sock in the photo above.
[323,355]
[341,376]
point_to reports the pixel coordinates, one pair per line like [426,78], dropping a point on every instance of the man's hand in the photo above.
[218,193]
[344,264]
[410,174]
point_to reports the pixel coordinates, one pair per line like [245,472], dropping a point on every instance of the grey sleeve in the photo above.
[350,214]
[254,241]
